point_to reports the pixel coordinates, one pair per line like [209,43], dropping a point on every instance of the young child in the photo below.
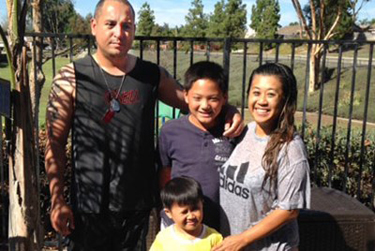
[269,167]
[183,202]
[193,145]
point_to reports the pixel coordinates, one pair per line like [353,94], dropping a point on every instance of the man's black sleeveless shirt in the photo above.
[113,163]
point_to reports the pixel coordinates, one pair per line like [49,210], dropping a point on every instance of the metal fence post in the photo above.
[226,56]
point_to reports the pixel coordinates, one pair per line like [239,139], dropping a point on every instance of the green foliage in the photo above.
[331,9]
[146,23]
[216,25]
[228,19]
[265,17]
[163,30]
[234,23]
[323,167]
[367,21]
[196,20]
[79,24]
[57,15]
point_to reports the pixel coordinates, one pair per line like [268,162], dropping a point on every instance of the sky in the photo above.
[173,12]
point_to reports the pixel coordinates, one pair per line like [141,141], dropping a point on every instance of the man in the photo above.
[108,101]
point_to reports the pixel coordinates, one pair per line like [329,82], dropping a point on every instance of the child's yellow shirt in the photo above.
[169,240]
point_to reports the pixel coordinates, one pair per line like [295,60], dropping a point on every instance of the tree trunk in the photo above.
[37,76]
[313,33]
[315,56]
[24,206]
[36,83]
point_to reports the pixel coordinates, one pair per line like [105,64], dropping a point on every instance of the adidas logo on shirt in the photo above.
[232,181]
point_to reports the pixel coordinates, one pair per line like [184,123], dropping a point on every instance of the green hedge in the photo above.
[322,163]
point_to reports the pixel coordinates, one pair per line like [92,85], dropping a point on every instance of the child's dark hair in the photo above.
[285,129]
[181,190]
[206,70]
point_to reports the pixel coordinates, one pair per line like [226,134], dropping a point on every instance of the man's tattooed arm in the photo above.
[60,109]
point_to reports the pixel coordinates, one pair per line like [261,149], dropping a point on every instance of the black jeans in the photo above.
[112,231]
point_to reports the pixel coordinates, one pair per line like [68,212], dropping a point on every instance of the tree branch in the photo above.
[330,33]
[297,7]
[322,28]
[313,19]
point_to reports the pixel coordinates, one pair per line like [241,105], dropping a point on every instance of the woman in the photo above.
[266,180]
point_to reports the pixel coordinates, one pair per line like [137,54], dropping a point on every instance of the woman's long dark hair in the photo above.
[284,131]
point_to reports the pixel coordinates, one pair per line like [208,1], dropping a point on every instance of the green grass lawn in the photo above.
[48,71]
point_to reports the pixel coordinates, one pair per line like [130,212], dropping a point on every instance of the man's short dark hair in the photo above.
[99,5]
[181,190]
[206,70]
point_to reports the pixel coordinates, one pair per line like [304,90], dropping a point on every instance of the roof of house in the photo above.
[289,30]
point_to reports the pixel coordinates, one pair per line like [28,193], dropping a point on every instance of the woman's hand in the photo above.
[231,243]
[265,227]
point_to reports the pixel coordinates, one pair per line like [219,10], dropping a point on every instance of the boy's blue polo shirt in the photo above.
[198,154]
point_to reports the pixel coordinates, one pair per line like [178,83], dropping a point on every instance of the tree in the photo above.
[56,15]
[196,20]
[215,25]
[367,21]
[79,24]
[355,8]
[235,19]
[265,17]
[37,77]
[163,30]
[318,30]
[345,26]
[146,21]
[24,206]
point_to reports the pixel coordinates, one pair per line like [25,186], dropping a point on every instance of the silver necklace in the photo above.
[114,103]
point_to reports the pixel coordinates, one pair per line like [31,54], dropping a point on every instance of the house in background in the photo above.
[364,32]
[291,32]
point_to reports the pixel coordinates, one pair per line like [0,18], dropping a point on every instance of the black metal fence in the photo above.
[336,116]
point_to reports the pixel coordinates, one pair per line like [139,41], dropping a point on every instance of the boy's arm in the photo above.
[171,93]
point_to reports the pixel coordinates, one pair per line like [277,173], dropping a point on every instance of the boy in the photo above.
[193,145]
[182,199]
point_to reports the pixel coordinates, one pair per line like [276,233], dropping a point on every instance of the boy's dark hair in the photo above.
[206,70]
[181,190]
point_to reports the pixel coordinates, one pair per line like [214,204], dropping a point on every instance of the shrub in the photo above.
[341,165]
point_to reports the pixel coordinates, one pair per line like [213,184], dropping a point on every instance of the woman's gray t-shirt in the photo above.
[245,203]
